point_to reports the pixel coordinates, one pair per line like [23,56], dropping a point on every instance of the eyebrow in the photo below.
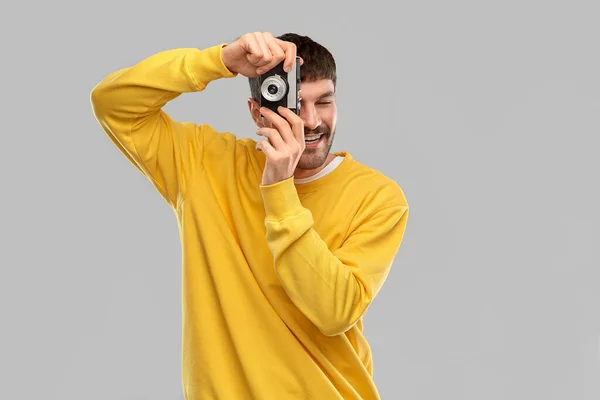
[324,95]
[327,94]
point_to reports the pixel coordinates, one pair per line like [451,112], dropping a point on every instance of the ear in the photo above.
[254,108]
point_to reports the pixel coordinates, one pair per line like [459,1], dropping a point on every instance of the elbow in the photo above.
[105,95]
[105,106]
[334,329]
[341,318]
[98,100]
[332,325]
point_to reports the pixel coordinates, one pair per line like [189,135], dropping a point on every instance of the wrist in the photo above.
[281,199]
[226,57]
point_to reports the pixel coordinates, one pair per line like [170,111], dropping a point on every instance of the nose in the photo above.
[310,117]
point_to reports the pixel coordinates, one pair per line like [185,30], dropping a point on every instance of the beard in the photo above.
[315,158]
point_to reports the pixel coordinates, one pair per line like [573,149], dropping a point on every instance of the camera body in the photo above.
[280,88]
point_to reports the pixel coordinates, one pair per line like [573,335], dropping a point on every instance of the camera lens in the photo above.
[274,88]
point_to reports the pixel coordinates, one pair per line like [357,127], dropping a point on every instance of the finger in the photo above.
[255,53]
[276,49]
[282,126]
[277,52]
[295,122]
[290,54]
[266,148]
[273,136]
[264,47]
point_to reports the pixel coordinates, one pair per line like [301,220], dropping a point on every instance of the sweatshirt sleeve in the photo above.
[128,106]
[332,288]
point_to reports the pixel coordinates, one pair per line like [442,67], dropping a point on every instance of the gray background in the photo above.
[486,113]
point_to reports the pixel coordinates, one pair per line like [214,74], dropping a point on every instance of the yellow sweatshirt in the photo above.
[276,279]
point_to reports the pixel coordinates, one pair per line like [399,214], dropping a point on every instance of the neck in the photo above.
[306,173]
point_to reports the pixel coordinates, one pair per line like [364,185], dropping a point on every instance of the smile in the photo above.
[314,141]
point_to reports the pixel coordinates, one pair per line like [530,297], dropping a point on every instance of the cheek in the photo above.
[329,117]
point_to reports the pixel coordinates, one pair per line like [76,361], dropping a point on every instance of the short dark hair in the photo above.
[318,62]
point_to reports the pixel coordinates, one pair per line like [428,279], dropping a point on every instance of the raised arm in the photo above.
[128,105]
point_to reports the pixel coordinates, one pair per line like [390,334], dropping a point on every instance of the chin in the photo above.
[312,160]
[315,158]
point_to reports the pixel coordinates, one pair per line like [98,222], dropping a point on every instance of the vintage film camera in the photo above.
[280,88]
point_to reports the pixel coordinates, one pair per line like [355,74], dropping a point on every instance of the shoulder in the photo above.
[378,189]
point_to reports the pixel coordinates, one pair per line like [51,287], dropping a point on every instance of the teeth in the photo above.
[312,138]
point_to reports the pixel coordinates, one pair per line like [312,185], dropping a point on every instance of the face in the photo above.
[318,110]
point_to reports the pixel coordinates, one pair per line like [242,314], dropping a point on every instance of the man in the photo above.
[284,245]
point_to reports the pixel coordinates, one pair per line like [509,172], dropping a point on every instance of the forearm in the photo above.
[317,282]
[130,95]
[332,288]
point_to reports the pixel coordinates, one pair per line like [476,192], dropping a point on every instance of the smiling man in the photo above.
[285,245]
[318,106]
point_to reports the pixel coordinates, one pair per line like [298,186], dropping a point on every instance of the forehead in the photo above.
[314,89]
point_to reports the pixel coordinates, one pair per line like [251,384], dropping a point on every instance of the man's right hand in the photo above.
[256,53]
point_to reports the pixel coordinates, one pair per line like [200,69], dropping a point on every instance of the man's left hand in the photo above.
[284,146]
